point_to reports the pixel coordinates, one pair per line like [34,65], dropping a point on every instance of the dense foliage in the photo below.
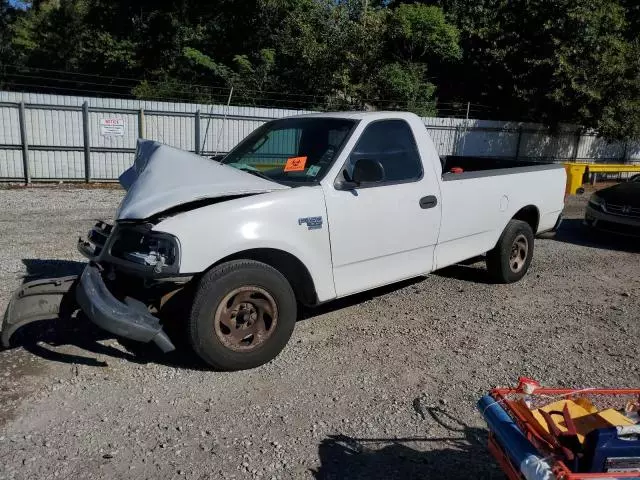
[574,61]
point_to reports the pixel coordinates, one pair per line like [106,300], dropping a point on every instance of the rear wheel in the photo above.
[510,259]
[243,314]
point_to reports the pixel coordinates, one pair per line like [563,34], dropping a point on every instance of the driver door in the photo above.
[385,231]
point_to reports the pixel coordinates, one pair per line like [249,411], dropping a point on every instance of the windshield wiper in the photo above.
[250,169]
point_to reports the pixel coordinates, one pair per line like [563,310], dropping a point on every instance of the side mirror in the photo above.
[367,171]
[364,171]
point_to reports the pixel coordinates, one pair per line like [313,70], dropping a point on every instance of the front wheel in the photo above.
[509,261]
[243,315]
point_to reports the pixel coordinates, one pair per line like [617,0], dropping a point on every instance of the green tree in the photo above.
[553,61]
[7,52]
[420,43]
[421,33]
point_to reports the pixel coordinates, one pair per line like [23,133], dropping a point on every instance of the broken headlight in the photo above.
[146,247]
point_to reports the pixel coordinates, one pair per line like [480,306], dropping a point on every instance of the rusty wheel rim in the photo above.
[246,318]
[519,252]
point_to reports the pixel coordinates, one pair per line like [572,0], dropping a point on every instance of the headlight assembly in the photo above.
[140,245]
[596,202]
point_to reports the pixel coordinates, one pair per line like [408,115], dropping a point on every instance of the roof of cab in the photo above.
[359,115]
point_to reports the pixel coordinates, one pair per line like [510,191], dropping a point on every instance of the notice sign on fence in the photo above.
[112,127]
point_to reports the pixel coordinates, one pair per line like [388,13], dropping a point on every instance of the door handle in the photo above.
[428,201]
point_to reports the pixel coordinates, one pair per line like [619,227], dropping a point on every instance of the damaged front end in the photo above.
[126,259]
[134,269]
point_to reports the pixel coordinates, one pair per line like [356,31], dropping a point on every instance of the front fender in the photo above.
[285,220]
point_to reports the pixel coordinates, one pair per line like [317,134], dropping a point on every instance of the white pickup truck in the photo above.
[303,211]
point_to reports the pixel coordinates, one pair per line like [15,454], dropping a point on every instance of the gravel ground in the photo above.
[382,385]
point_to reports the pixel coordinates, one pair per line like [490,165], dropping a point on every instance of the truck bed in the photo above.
[487,166]
[475,164]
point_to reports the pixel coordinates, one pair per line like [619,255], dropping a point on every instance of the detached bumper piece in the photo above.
[36,301]
[130,319]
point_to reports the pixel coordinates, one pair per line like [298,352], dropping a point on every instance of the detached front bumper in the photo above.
[130,319]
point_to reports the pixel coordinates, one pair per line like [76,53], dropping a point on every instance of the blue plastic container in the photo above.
[615,449]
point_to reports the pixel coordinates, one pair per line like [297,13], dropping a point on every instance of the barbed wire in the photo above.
[215,94]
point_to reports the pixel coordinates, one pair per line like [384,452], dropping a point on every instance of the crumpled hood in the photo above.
[164,177]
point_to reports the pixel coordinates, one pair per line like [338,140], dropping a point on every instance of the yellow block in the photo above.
[584,415]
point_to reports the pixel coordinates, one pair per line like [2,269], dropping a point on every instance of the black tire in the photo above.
[207,332]
[501,264]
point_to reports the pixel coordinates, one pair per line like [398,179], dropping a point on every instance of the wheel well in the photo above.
[530,215]
[289,265]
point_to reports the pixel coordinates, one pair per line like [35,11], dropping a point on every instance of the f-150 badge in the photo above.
[313,223]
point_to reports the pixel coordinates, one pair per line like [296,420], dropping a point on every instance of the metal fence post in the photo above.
[197,131]
[519,142]
[25,144]
[141,123]
[87,147]
[577,144]
[625,152]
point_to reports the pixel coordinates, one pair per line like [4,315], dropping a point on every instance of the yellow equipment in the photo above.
[576,171]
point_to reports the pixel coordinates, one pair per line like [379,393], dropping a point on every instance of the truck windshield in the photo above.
[292,150]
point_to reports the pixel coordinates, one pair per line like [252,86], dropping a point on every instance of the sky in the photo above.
[18,3]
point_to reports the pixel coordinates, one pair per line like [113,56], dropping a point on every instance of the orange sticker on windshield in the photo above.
[295,164]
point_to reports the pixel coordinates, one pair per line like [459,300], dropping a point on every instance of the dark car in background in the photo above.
[616,209]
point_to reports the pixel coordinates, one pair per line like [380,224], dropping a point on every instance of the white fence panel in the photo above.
[545,146]
[109,165]
[175,130]
[56,165]
[633,151]
[591,147]
[9,126]
[59,128]
[11,164]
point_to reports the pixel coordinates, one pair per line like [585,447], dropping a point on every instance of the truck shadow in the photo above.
[466,456]
[572,231]
[77,341]
[466,273]
[38,269]
[334,305]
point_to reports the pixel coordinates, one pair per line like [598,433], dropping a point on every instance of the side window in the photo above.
[390,142]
